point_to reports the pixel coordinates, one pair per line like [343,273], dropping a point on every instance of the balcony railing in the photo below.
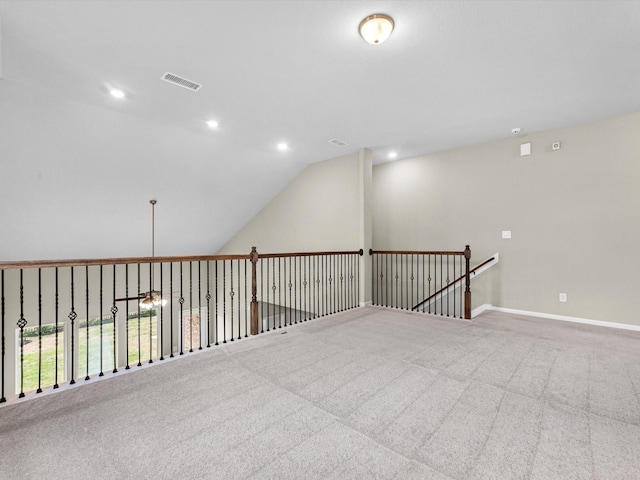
[71,320]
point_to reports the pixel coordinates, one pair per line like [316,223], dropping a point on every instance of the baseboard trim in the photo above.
[551,316]
[366,304]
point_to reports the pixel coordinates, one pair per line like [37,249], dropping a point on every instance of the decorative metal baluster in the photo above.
[72,317]
[86,277]
[151,310]
[114,312]
[101,369]
[330,262]
[268,306]
[389,282]
[303,289]
[181,302]
[454,287]
[191,304]
[126,312]
[295,289]
[139,331]
[171,310]
[39,390]
[461,296]
[231,294]
[398,302]
[161,316]
[208,297]
[318,291]
[429,280]
[246,309]
[280,260]
[262,296]
[200,304]
[224,302]
[273,289]
[290,285]
[57,305]
[3,399]
[441,296]
[21,324]
[215,319]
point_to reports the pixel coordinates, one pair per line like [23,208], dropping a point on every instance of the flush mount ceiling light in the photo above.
[282,147]
[393,155]
[212,124]
[375,29]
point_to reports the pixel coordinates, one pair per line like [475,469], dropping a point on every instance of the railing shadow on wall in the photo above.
[71,320]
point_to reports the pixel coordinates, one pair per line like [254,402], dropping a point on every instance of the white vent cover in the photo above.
[181,82]
[338,143]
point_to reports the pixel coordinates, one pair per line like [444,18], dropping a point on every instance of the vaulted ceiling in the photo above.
[78,166]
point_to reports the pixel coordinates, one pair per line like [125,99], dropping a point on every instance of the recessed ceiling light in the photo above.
[282,147]
[392,154]
[116,93]
[375,29]
[212,124]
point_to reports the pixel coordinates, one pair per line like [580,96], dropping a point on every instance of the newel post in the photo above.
[254,292]
[467,290]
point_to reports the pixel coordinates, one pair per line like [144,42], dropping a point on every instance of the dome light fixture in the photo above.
[376,28]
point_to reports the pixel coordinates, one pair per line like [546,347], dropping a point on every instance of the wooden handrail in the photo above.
[311,254]
[115,261]
[454,282]
[409,252]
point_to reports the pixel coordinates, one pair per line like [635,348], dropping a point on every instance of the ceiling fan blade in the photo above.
[130,298]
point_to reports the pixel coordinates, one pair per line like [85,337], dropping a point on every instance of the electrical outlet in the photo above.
[555,146]
[506,234]
[563,297]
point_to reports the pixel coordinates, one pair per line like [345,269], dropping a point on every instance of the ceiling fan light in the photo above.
[375,29]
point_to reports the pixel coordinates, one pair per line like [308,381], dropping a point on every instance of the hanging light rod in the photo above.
[376,28]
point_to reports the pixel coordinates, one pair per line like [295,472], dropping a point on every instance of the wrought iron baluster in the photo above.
[171,310]
[224,301]
[151,310]
[215,319]
[39,390]
[191,305]
[268,304]
[181,302]
[295,290]
[22,322]
[304,284]
[101,358]
[239,293]
[454,287]
[126,307]
[114,316]
[273,289]
[161,352]
[441,277]
[200,304]
[318,292]
[246,305]
[290,285]
[280,295]
[231,294]
[208,297]
[429,280]
[3,399]
[86,277]
[72,317]
[139,331]
[57,319]
[262,296]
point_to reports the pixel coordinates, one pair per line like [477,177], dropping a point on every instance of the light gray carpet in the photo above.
[370,393]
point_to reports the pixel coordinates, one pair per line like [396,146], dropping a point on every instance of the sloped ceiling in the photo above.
[78,167]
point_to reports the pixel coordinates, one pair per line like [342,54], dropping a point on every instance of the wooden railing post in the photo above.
[467,290]
[254,292]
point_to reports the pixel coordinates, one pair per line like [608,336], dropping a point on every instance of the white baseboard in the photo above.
[366,304]
[551,316]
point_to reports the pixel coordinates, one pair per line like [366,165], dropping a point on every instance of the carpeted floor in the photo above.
[369,393]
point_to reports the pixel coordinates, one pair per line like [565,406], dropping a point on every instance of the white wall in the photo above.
[573,214]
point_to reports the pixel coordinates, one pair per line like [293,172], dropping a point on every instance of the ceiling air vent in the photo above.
[338,143]
[181,82]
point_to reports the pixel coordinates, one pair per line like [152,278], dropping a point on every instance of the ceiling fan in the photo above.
[152,298]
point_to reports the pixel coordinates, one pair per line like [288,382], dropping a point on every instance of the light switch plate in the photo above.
[506,234]
[562,297]
[525,149]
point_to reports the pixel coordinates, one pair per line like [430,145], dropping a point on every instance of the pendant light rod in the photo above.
[153,227]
